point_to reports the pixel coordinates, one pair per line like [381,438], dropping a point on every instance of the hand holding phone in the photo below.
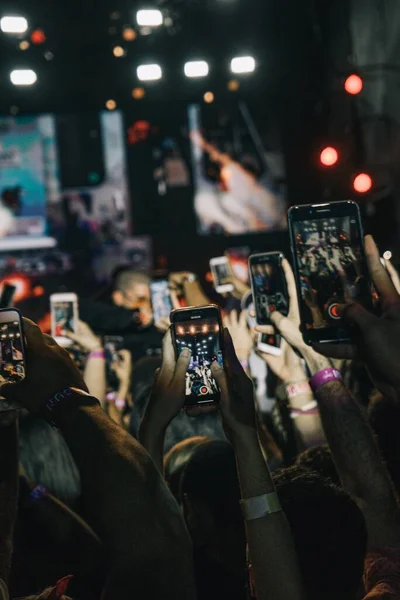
[64,316]
[220,270]
[330,267]
[269,285]
[160,300]
[200,331]
[12,352]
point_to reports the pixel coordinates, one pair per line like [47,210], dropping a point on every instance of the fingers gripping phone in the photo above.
[200,330]
[329,265]
[12,351]
[64,316]
[113,344]
[268,284]
[220,270]
[160,299]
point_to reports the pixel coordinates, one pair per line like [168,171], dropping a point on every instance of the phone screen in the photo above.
[220,272]
[269,286]
[331,269]
[12,362]
[160,299]
[64,317]
[203,337]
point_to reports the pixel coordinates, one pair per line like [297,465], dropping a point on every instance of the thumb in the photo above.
[220,377]
[182,365]
[357,315]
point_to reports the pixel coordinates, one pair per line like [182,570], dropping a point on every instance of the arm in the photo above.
[353,447]
[123,370]
[8,488]
[95,375]
[273,557]
[129,505]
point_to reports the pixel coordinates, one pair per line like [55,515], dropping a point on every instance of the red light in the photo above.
[362,183]
[38,37]
[353,84]
[329,157]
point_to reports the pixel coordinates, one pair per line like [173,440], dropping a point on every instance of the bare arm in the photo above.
[128,502]
[95,377]
[272,552]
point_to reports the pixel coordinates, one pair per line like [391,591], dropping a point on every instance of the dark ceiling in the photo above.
[81,72]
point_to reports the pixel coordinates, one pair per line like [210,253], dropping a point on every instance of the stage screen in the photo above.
[56,169]
[238,171]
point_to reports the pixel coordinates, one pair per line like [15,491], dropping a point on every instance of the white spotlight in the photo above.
[149,72]
[23,77]
[149,18]
[243,64]
[13,24]
[196,68]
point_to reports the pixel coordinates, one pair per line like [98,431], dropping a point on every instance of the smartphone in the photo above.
[329,264]
[269,343]
[160,299]
[220,269]
[268,284]
[199,329]
[113,344]
[239,259]
[12,350]
[7,295]
[64,316]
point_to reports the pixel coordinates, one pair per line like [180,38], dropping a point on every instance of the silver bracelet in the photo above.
[260,506]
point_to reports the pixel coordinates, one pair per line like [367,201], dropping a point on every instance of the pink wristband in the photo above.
[97,354]
[297,389]
[323,377]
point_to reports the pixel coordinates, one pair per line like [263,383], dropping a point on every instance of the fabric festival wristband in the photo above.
[260,506]
[119,402]
[245,365]
[68,395]
[97,354]
[37,493]
[297,389]
[323,377]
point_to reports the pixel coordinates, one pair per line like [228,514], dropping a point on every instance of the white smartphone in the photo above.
[269,344]
[64,316]
[220,270]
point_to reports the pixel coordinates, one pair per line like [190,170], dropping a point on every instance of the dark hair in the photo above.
[384,417]
[318,459]
[47,460]
[176,459]
[329,533]
[211,477]
[123,278]
[182,427]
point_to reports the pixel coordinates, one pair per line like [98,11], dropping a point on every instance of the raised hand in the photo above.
[240,333]
[84,337]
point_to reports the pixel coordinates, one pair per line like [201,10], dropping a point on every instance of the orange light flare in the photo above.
[22,285]
[362,183]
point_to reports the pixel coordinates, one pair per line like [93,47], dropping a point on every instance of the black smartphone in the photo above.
[160,299]
[12,350]
[7,295]
[268,284]
[329,264]
[200,330]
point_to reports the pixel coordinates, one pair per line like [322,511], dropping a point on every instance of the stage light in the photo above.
[196,68]
[38,37]
[149,18]
[243,64]
[208,97]
[353,84]
[329,156]
[13,24]
[129,34]
[23,77]
[192,329]
[362,183]
[233,85]
[149,72]
[24,45]
[118,51]
[138,93]
[111,105]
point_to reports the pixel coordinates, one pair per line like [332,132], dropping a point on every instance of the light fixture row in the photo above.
[153,72]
